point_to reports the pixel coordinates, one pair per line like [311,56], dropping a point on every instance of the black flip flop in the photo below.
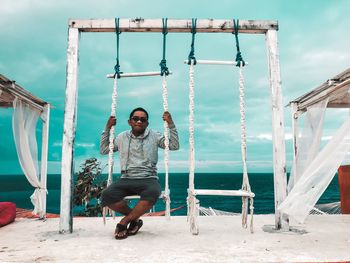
[121,232]
[134,227]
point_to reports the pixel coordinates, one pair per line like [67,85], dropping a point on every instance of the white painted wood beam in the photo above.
[295,131]
[45,116]
[137,74]
[24,98]
[215,62]
[173,25]
[279,154]
[327,93]
[223,192]
[67,168]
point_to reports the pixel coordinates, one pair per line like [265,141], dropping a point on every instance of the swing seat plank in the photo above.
[130,197]
[223,192]
[137,74]
[216,62]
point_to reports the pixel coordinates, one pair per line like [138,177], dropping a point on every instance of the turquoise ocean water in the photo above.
[15,188]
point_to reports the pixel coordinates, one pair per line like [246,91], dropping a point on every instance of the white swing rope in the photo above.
[166,195]
[191,199]
[245,184]
[107,210]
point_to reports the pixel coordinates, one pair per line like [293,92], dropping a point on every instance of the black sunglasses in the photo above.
[136,119]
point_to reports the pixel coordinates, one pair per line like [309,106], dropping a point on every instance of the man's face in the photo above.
[138,122]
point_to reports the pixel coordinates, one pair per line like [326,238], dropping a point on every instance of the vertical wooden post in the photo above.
[279,155]
[295,131]
[67,168]
[44,148]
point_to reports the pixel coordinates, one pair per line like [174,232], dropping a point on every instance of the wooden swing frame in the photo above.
[75,27]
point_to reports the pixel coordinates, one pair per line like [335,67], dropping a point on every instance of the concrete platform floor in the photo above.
[221,239]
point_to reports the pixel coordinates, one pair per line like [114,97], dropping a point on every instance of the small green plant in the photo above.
[88,187]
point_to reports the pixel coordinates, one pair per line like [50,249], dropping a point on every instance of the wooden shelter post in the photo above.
[67,167]
[279,149]
[295,129]
[45,116]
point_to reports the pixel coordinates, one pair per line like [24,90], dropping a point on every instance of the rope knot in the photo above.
[117,70]
[193,31]
[191,57]
[163,68]
[239,59]
[117,33]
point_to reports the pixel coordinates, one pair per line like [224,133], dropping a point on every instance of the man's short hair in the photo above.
[138,109]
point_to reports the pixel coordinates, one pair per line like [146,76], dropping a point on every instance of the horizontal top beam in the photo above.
[9,90]
[335,89]
[173,25]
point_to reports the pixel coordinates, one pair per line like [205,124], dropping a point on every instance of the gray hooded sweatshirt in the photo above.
[139,154]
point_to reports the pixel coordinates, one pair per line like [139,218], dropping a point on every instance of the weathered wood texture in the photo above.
[335,89]
[155,25]
[10,90]
[173,25]
[295,129]
[67,168]
[214,62]
[137,74]
[279,155]
[223,192]
[45,116]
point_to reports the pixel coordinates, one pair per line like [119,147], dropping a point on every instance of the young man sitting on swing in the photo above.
[138,154]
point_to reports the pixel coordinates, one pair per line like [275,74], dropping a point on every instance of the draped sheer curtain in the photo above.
[315,167]
[24,122]
[309,141]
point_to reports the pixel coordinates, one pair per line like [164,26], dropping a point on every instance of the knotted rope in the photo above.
[245,183]
[191,56]
[117,33]
[106,210]
[192,202]
[164,73]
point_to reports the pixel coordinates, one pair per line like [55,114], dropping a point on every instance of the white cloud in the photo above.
[83,145]
[267,137]
[263,136]
[57,144]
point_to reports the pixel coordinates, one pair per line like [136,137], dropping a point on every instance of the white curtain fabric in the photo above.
[24,121]
[309,141]
[319,170]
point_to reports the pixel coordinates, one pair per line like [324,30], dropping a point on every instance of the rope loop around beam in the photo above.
[163,67]
[191,56]
[117,32]
[239,58]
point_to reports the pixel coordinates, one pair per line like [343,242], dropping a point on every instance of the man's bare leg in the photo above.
[121,207]
[140,208]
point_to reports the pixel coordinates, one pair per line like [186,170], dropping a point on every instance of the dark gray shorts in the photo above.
[148,189]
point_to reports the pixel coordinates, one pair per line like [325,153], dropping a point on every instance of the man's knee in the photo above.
[150,200]
[119,205]
[152,193]
[109,198]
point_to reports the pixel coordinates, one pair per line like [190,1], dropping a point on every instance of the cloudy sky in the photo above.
[314,45]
